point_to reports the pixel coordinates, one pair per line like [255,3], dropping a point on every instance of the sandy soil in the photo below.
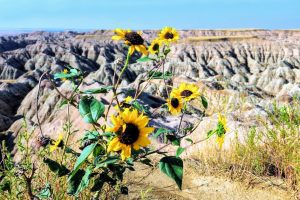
[147,183]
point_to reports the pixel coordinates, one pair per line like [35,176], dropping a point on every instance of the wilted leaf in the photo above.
[173,167]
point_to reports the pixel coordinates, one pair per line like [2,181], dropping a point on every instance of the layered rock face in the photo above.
[261,63]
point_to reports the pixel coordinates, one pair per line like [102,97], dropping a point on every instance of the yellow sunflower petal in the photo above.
[141,142]
[142,49]
[220,141]
[131,50]
[116,37]
[126,152]
[114,145]
[147,130]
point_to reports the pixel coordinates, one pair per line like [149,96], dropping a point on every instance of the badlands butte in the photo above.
[241,73]
[257,65]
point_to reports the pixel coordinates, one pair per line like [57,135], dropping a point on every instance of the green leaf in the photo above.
[147,161]
[189,140]
[161,131]
[60,170]
[204,102]
[74,182]
[175,141]
[5,186]
[167,51]
[99,181]
[160,75]
[91,109]
[107,161]
[210,133]
[45,193]
[104,89]
[140,107]
[179,151]
[85,180]
[144,59]
[97,109]
[173,167]
[83,156]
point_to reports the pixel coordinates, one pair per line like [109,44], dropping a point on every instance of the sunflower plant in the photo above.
[121,137]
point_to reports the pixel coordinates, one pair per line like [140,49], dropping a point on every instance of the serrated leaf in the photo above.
[204,102]
[60,170]
[104,89]
[81,159]
[45,193]
[144,59]
[179,151]
[173,167]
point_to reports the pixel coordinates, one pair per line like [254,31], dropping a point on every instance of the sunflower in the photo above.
[154,47]
[125,103]
[131,130]
[175,105]
[168,34]
[133,39]
[187,91]
[221,129]
[57,143]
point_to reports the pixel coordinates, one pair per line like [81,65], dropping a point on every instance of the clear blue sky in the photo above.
[149,14]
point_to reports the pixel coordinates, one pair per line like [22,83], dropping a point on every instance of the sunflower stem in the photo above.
[115,88]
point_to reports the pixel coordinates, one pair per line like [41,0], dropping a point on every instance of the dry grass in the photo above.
[270,152]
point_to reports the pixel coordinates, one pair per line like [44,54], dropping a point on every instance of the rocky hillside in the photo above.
[261,64]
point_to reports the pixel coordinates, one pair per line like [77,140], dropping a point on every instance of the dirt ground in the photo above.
[148,183]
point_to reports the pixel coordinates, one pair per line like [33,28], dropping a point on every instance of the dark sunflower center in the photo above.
[186,93]
[134,38]
[125,105]
[174,102]
[169,35]
[155,47]
[130,135]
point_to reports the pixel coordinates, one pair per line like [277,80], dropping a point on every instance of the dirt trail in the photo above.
[152,184]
